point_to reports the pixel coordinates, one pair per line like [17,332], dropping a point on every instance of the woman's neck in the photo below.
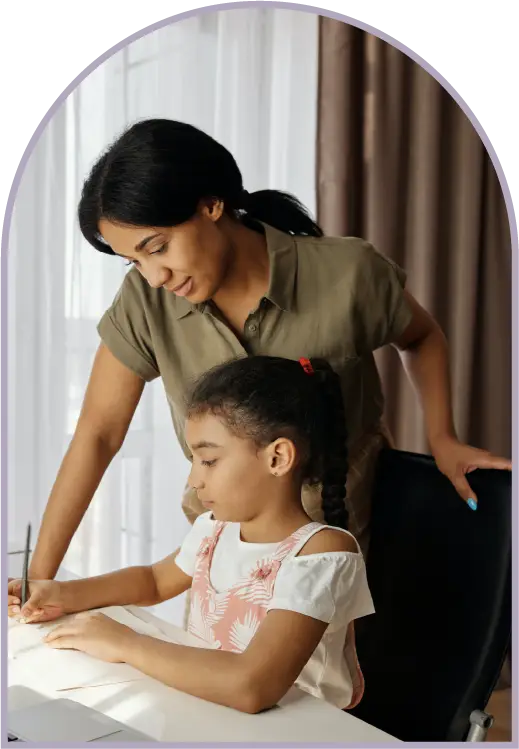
[247,277]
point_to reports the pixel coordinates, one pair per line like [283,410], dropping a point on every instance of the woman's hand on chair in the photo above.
[456,460]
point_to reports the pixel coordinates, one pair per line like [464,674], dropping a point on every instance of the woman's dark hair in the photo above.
[157,172]
[264,398]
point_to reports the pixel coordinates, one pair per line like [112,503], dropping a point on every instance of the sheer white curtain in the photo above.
[248,77]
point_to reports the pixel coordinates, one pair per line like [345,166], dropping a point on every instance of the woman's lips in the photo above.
[185,288]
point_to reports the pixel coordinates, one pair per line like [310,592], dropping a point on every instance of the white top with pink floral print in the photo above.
[331,587]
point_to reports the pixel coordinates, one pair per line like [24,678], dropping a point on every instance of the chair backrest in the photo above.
[440,577]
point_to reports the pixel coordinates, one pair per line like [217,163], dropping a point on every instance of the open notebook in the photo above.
[32,661]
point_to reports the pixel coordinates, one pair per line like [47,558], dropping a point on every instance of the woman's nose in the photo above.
[157,277]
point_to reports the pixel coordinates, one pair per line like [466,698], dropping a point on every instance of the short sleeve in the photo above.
[323,585]
[186,557]
[381,310]
[125,331]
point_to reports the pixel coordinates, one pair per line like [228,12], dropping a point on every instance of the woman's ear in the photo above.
[281,456]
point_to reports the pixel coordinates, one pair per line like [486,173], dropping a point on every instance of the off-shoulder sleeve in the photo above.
[201,528]
[321,585]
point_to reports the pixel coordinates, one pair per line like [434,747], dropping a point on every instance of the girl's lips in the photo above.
[185,288]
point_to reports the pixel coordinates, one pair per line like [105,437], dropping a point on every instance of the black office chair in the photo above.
[440,577]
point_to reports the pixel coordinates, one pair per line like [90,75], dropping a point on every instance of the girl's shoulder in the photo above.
[329,540]
[326,580]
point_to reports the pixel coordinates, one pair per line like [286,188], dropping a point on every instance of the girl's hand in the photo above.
[455,460]
[95,634]
[45,602]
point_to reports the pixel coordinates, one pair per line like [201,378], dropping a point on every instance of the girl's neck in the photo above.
[273,527]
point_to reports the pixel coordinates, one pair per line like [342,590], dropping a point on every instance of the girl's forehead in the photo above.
[210,431]
[206,427]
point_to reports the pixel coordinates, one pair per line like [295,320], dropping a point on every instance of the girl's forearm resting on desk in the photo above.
[212,675]
[250,681]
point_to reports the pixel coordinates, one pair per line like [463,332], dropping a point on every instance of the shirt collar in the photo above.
[283,266]
[281,248]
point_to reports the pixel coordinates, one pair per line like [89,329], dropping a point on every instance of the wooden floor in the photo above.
[500,706]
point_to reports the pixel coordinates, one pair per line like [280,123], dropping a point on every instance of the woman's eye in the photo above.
[155,252]
[208,463]
[161,249]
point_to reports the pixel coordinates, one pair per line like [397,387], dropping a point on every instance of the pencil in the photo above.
[25,581]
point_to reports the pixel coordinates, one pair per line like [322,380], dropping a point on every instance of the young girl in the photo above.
[273,594]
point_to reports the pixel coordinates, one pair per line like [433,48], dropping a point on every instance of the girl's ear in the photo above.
[213,209]
[281,456]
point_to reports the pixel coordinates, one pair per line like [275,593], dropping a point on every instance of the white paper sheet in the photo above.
[58,670]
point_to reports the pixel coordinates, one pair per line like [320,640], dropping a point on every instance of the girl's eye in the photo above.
[208,463]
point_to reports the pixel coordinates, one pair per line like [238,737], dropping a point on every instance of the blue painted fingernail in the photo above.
[472,504]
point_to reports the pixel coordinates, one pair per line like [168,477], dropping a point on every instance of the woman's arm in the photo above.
[424,353]
[111,399]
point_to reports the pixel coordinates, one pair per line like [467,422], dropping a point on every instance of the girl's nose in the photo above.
[194,481]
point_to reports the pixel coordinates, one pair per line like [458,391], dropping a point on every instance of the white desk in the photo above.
[168,715]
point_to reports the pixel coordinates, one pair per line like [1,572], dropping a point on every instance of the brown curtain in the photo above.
[400,164]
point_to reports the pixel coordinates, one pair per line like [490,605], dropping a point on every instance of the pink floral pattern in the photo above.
[228,620]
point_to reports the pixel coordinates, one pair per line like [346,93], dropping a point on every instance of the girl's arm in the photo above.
[139,586]
[250,681]
[259,677]
[424,353]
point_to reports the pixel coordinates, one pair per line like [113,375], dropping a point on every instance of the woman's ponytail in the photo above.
[282,211]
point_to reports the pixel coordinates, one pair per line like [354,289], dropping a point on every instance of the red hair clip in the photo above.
[307,366]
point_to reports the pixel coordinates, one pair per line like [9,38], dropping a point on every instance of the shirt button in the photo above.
[253,328]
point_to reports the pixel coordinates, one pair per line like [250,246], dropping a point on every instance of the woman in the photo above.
[220,273]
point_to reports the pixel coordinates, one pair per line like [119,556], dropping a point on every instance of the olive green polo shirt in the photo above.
[332,297]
